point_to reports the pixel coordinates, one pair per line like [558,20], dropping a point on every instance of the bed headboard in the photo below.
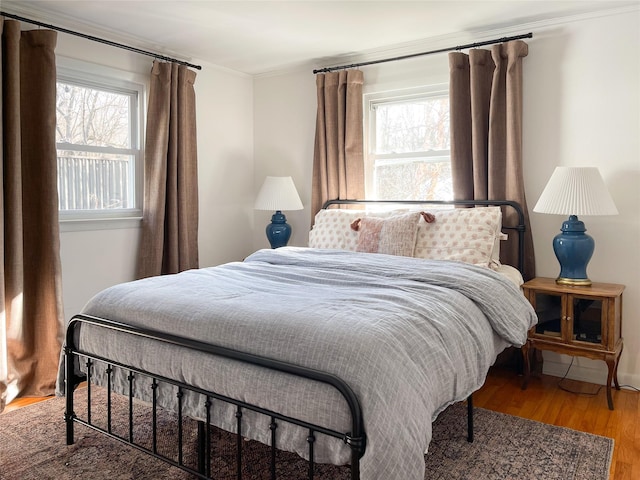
[519,226]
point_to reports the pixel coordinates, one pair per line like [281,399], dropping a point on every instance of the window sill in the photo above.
[84,224]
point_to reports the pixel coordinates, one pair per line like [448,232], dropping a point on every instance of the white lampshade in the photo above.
[278,193]
[576,191]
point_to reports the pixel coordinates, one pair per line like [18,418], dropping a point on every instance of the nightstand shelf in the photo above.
[581,321]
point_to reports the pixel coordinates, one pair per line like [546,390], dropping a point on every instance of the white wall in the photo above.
[582,102]
[581,107]
[225,165]
[284,133]
[95,259]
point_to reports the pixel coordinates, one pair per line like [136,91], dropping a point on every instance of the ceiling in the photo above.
[257,37]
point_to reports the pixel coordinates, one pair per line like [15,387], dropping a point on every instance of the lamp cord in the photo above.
[562,387]
[575,392]
[630,387]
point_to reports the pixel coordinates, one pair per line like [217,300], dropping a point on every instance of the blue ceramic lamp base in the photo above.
[278,231]
[573,249]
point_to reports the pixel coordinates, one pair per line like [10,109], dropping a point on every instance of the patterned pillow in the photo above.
[332,227]
[393,235]
[463,234]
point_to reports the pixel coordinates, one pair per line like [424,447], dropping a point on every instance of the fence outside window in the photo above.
[89,181]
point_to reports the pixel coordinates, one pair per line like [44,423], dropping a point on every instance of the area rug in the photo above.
[32,447]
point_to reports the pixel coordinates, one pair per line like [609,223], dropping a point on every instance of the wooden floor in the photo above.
[545,401]
[23,402]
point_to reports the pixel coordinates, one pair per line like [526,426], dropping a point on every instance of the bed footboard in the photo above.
[355,438]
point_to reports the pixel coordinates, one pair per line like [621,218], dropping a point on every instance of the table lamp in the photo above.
[278,193]
[575,191]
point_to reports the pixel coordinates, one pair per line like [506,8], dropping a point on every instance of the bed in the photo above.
[337,354]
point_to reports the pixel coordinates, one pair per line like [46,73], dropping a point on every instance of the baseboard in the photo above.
[583,373]
[585,370]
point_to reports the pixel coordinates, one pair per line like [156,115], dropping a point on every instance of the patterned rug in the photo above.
[32,447]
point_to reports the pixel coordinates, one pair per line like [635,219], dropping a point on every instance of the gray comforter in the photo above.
[410,336]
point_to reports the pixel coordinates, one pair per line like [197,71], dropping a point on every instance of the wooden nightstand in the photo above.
[576,320]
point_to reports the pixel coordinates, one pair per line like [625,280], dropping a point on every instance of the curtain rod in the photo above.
[404,57]
[100,40]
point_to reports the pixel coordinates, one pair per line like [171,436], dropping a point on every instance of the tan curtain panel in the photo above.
[169,241]
[338,163]
[486,133]
[32,319]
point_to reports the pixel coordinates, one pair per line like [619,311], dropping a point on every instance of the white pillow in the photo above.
[511,273]
[464,234]
[495,255]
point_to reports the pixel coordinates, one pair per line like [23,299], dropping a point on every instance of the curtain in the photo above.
[338,163]
[32,319]
[169,240]
[486,134]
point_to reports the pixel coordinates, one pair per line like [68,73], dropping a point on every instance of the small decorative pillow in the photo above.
[393,235]
[331,228]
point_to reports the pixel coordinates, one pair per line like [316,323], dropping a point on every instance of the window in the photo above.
[408,155]
[98,146]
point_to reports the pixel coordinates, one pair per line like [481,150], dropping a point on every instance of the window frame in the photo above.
[100,77]
[374,99]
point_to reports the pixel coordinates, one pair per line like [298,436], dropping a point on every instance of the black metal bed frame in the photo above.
[355,438]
